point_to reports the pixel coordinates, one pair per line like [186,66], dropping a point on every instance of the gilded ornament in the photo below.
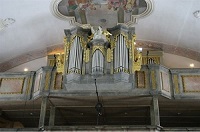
[139,79]
[113,43]
[121,69]
[111,54]
[175,80]
[137,61]
[108,55]
[78,71]
[153,79]
[86,56]
[54,79]
[47,78]
[130,49]
[90,37]
[28,85]
[98,47]
[107,34]
[67,48]
[60,62]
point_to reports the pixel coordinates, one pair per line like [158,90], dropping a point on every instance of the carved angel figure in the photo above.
[99,33]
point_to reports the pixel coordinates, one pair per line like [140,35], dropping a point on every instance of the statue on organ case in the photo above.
[99,33]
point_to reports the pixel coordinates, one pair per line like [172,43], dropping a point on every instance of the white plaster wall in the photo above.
[31,66]
[169,60]
[175,61]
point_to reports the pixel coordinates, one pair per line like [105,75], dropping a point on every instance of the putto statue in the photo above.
[99,33]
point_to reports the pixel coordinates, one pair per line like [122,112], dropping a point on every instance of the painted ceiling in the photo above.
[105,13]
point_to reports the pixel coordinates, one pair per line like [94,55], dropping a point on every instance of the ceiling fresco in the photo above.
[105,13]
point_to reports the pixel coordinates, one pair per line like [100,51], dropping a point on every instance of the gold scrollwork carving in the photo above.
[130,49]
[137,61]
[112,43]
[83,42]
[175,80]
[78,71]
[47,80]
[135,55]
[98,47]
[153,79]
[60,62]
[109,55]
[72,38]
[133,38]
[155,59]
[107,34]
[67,48]
[86,56]
[121,69]
[132,46]
[90,37]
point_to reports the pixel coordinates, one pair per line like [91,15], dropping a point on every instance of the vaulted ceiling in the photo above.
[170,27]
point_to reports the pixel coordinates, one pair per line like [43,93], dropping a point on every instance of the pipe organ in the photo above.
[75,56]
[110,55]
[97,63]
[121,55]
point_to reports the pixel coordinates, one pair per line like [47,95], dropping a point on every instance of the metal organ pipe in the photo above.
[75,58]
[97,61]
[126,56]
[121,53]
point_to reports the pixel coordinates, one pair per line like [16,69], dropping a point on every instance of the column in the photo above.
[52,116]
[43,112]
[154,109]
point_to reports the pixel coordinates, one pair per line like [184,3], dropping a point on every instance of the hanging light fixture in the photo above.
[98,106]
[6,22]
